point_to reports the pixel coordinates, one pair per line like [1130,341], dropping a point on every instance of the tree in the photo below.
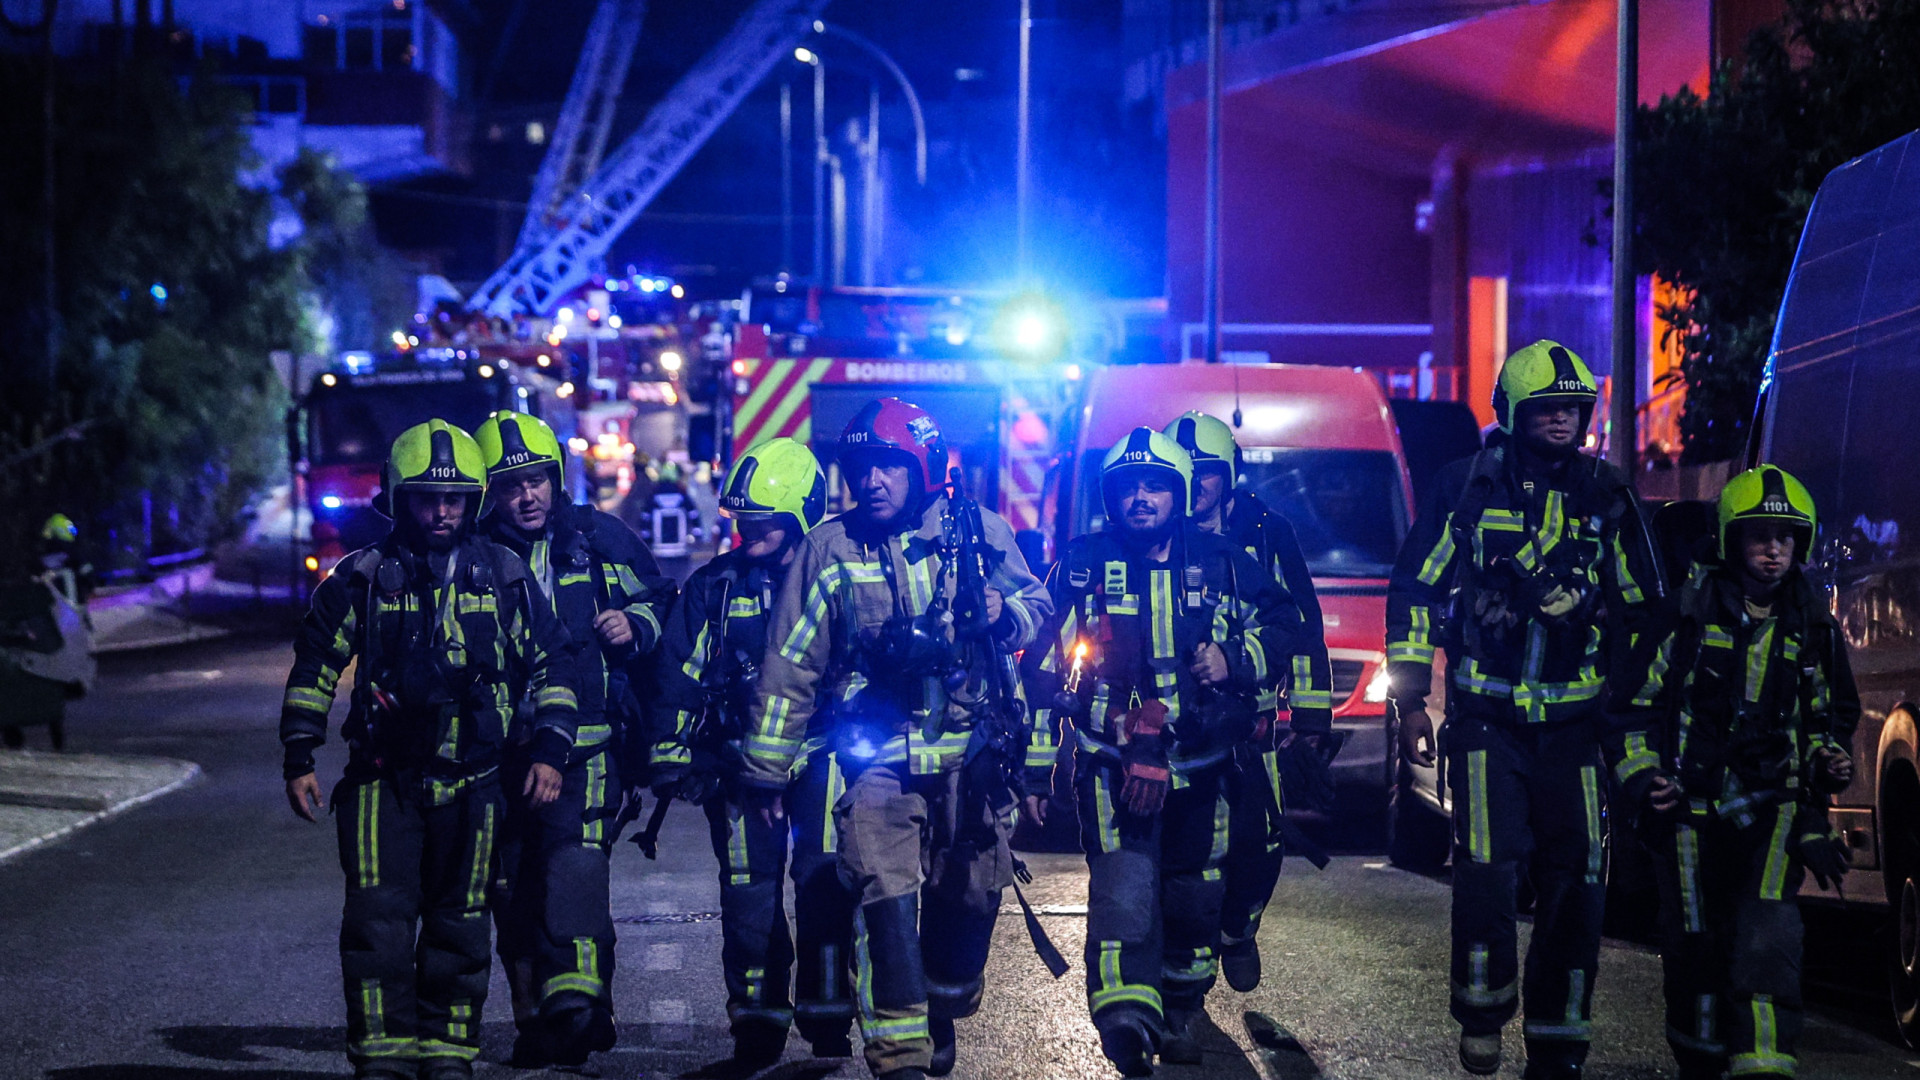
[171,300]
[1723,185]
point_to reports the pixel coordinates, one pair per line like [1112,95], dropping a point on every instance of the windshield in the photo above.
[1347,506]
[354,425]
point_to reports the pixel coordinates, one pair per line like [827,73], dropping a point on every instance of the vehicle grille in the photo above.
[1346,679]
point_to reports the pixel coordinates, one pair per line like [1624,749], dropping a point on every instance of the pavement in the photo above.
[45,796]
[194,937]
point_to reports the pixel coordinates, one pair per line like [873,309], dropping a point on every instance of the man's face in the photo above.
[1209,487]
[761,537]
[1766,550]
[1551,426]
[881,485]
[438,515]
[526,498]
[1144,500]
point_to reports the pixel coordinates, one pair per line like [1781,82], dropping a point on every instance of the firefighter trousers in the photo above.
[1154,892]
[1254,850]
[1731,942]
[756,949]
[1527,799]
[822,905]
[551,905]
[928,886]
[413,932]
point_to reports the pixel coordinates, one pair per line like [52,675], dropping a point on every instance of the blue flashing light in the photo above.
[646,285]
[158,292]
[331,502]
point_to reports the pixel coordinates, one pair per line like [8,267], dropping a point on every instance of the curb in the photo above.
[56,813]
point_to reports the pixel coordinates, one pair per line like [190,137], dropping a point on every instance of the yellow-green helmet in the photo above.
[1767,493]
[1207,440]
[1145,448]
[1544,370]
[60,529]
[779,476]
[513,440]
[434,456]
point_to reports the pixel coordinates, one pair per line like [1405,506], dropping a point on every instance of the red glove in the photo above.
[1143,761]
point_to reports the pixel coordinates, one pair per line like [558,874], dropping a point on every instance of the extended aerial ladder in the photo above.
[580,135]
[564,250]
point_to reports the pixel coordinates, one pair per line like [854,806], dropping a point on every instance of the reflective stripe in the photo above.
[593,830]
[1758,653]
[1773,879]
[1103,812]
[1113,990]
[1638,758]
[1160,584]
[301,697]
[1590,793]
[1580,1032]
[738,866]
[1656,675]
[1577,996]
[373,1013]
[482,861]
[1479,833]
[836,787]
[436,1048]
[1687,850]
[1440,557]
[369,823]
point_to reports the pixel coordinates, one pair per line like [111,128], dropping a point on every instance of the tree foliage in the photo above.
[1723,185]
[172,298]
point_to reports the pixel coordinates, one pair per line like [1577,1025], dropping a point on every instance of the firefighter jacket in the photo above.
[1531,587]
[709,662]
[1270,539]
[841,626]
[587,562]
[1733,701]
[1140,623]
[445,646]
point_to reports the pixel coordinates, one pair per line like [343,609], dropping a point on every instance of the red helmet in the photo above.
[891,424]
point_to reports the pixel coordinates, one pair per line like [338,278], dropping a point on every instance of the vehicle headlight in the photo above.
[1377,686]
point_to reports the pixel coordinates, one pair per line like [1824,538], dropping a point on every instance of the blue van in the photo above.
[1837,408]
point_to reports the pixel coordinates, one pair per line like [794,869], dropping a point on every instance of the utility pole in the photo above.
[1022,181]
[870,191]
[1210,279]
[786,178]
[819,169]
[1623,440]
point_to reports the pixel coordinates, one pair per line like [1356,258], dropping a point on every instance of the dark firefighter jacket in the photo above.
[1140,623]
[1731,704]
[1270,539]
[1487,551]
[842,588]
[709,660]
[585,563]
[449,648]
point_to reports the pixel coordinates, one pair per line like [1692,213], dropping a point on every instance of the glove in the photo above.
[1143,760]
[1306,775]
[1825,857]
[1558,601]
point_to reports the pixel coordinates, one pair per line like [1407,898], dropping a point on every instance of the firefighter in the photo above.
[1736,716]
[706,669]
[446,630]
[1254,855]
[550,890]
[1547,563]
[1163,641]
[866,620]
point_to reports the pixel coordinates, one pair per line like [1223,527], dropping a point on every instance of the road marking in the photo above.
[664,957]
[1373,866]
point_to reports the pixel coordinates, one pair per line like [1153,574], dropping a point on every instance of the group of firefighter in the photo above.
[867,704]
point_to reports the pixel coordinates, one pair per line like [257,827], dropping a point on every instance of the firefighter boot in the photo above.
[945,1045]
[1177,1044]
[529,1045]
[1480,1054]
[758,1045]
[446,1068]
[577,1025]
[1128,1042]
[1240,962]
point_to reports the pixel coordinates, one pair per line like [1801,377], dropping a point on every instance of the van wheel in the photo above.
[1418,839]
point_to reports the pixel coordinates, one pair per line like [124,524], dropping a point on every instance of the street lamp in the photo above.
[906,90]
[809,57]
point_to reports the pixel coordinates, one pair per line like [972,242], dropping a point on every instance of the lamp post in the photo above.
[786,178]
[1022,140]
[1622,440]
[809,57]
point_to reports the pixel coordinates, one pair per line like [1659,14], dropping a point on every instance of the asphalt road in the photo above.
[194,937]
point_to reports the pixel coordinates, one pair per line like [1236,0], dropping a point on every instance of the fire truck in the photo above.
[353,411]
[997,369]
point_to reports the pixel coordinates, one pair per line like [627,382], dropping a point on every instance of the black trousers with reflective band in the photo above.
[1153,893]
[756,950]
[822,904]
[1254,853]
[413,935]
[550,897]
[1527,799]
[1731,941]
